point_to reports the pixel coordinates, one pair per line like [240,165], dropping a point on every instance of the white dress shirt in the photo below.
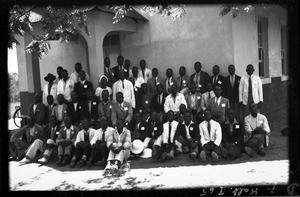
[215,134]
[251,123]
[128,91]
[165,134]
[174,106]
[65,88]
[257,91]
[53,92]
[74,76]
[147,73]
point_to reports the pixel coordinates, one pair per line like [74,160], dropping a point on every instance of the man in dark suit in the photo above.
[200,78]
[119,67]
[108,72]
[105,107]
[169,81]
[217,78]
[183,81]
[32,140]
[158,101]
[143,101]
[92,106]
[49,108]
[188,135]
[76,110]
[153,81]
[231,90]
[232,136]
[37,110]
[218,105]
[82,87]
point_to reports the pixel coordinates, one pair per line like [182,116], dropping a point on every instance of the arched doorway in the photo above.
[111,46]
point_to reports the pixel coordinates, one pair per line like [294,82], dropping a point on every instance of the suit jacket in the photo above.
[232,93]
[105,109]
[155,129]
[219,81]
[152,86]
[65,88]
[128,91]
[184,89]
[252,123]
[188,98]
[192,129]
[92,109]
[48,112]
[81,91]
[125,138]
[205,98]
[116,71]
[39,114]
[76,114]
[142,129]
[155,106]
[53,92]
[257,91]
[165,134]
[24,132]
[204,78]
[167,87]
[55,111]
[80,135]
[218,111]
[215,134]
[98,135]
[49,134]
[236,136]
[125,112]
[143,102]
[63,134]
[174,106]
[109,75]
[147,73]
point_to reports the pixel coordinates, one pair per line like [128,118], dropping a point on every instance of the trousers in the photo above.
[121,156]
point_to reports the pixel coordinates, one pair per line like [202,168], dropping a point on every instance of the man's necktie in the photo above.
[103,135]
[197,78]
[155,82]
[49,88]
[123,84]
[208,127]
[170,128]
[180,83]
[250,97]
[143,71]
[214,80]
[232,83]
[86,137]
[158,98]
[208,95]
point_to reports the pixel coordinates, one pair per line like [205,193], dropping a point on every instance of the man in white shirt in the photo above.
[169,142]
[206,96]
[65,86]
[82,144]
[135,79]
[75,75]
[125,86]
[250,90]
[210,138]
[118,143]
[98,143]
[257,132]
[174,100]
[144,72]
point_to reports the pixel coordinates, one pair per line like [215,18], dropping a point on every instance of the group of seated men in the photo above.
[175,118]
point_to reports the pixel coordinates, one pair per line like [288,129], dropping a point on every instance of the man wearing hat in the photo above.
[188,135]
[98,143]
[51,133]
[50,88]
[118,143]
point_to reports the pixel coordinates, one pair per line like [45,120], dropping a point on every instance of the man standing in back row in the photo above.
[200,78]
[250,91]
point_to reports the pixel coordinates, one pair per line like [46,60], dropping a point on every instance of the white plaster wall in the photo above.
[202,35]
[65,55]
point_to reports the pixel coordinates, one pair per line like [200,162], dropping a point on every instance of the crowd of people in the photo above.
[136,110]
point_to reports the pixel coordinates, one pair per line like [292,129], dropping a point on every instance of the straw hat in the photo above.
[147,153]
[137,146]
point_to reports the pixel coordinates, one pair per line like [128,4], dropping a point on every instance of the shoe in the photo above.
[163,156]
[114,167]
[108,166]
[65,160]
[43,160]
[90,163]
[215,157]
[170,155]
[249,151]
[203,156]
[261,152]
[60,160]
[13,158]
[25,160]
[82,162]
[73,164]
[193,155]
[185,150]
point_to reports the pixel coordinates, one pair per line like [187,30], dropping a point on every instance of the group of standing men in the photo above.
[199,115]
